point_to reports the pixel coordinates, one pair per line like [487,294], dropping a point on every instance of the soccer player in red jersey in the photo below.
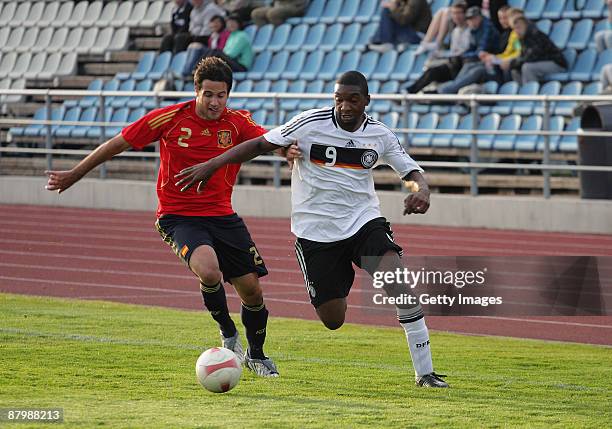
[201,227]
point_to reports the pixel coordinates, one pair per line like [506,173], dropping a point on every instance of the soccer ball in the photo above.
[218,370]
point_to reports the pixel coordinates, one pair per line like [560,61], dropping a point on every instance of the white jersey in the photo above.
[332,187]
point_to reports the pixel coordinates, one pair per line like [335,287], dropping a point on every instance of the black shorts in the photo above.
[328,267]
[227,235]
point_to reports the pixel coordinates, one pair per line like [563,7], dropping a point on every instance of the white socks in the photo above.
[418,343]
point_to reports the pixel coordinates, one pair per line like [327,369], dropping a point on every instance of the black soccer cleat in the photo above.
[431,380]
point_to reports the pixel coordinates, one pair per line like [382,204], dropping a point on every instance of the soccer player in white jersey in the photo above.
[335,211]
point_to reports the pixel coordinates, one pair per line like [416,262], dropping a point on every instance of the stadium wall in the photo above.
[502,212]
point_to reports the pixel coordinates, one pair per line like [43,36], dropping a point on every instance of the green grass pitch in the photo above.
[115,365]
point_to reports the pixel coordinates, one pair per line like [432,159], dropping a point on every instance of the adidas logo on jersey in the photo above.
[350,143]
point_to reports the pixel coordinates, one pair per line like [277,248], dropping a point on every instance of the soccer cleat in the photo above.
[234,344]
[431,380]
[262,367]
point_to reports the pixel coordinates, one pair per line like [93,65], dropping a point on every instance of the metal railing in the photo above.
[473,101]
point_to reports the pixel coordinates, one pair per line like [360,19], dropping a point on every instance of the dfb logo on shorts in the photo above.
[369,158]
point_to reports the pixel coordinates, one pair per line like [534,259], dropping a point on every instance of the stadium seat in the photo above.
[570,11]
[36,65]
[57,114]
[103,39]
[570,58]
[581,34]
[143,67]
[4,35]
[91,15]
[253,104]
[603,59]
[296,38]
[553,9]
[331,11]
[506,141]
[448,122]
[8,10]
[121,101]
[314,37]
[549,88]
[120,39]
[331,38]
[428,121]
[556,125]
[7,64]
[367,63]
[593,88]
[122,13]
[154,13]
[463,140]
[594,9]
[544,25]
[566,108]
[68,65]
[177,64]
[277,86]
[584,65]
[294,65]
[436,5]
[570,143]
[560,33]
[279,38]
[21,14]
[160,66]
[298,86]
[72,115]
[418,66]
[45,37]
[35,14]
[314,87]
[260,117]
[165,15]
[14,40]
[403,65]
[137,101]
[21,65]
[15,84]
[262,38]
[119,116]
[367,32]
[488,123]
[385,65]
[329,67]
[312,65]
[350,61]
[600,26]
[348,11]
[33,130]
[390,119]
[27,42]
[534,9]
[349,37]
[367,9]
[97,131]
[314,11]
[526,107]
[137,14]
[277,65]
[72,39]
[505,107]
[250,31]
[528,143]
[87,115]
[88,100]
[87,41]
[107,16]
[383,106]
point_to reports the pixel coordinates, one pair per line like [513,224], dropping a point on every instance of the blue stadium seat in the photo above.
[250,30]
[136,114]
[448,122]
[584,65]
[385,65]
[296,38]
[331,11]
[314,87]
[367,63]
[119,115]
[262,37]
[506,141]
[349,37]
[178,64]
[570,11]
[519,4]
[594,9]
[544,25]
[488,123]
[260,117]
[403,65]
[438,4]
[298,86]
[528,143]
[556,125]
[428,121]
[604,58]
[32,130]
[253,104]
[593,88]
[314,11]
[277,86]
[383,106]
[390,119]
[549,88]
[314,37]
[367,32]
[418,66]
[600,26]
[312,65]
[329,67]
[279,38]
[463,140]
[581,34]
[72,115]
[534,9]
[490,87]
[331,38]
[260,65]
[526,107]
[144,66]
[277,65]
[570,143]
[90,100]
[143,85]
[350,61]
[553,9]
[505,107]
[560,33]
[120,101]
[87,115]
[367,9]
[566,108]
[570,57]
[98,132]
[162,62]
[348,12]
[240,102]
[294,65]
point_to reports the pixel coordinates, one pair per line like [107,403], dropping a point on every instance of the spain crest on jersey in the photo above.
[224,138]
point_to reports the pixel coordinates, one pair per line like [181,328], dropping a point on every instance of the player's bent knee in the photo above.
[249,289]
[204,264]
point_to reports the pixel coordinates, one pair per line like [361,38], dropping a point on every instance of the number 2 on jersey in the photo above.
[186,135]
[331,154]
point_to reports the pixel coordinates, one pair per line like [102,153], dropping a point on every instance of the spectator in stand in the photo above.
[240,8]
[236,51]
[178,39]
[603,38]
[202,13]
[510,46]
[278,12]
[539,55]
[460,43]
[216,40]
[484,38]
[402,22]
[606,78]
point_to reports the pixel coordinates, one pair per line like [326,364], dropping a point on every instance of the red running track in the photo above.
[118,256]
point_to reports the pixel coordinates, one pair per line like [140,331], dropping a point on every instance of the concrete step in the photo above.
[147,43]
[108,69]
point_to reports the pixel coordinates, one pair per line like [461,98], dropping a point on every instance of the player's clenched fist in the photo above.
[60,180]
[417,203]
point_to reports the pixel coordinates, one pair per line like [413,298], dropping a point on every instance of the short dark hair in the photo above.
[215,69]
[503,8]
[219,18]
[355,78]
[236,18]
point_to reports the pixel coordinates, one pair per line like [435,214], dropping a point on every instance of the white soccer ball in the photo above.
[218,370]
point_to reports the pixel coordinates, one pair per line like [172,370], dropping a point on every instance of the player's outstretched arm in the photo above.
[201,173]
[418,201]
[61,180]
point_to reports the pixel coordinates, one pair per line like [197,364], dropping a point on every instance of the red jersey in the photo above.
[185,140]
